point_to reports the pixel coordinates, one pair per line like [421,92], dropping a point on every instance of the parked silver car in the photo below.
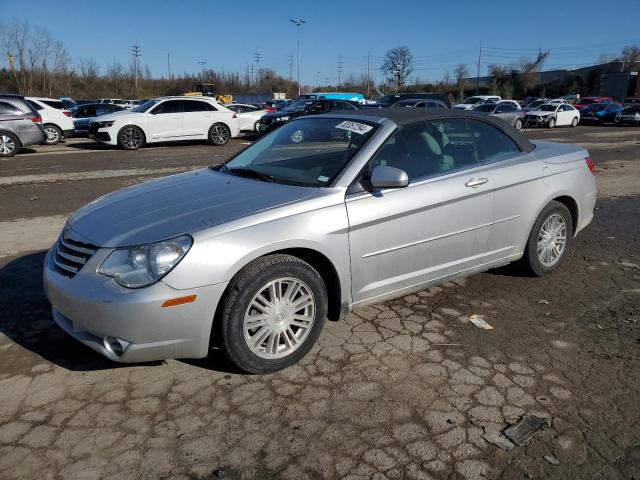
[20,125]
[322,215]
[507,112]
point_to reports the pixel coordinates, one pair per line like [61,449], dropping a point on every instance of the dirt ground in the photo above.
[401,389]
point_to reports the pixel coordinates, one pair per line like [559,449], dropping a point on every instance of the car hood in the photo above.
[120,114]
[178,204]
[271,116]
[466,106]
[539,113]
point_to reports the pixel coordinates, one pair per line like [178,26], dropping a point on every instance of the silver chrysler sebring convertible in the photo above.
[325,214]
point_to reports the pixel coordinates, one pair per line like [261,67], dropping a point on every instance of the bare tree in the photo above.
[89,70]
[117,77]
[397,66]
[630,57]
[461,74]
[529,69]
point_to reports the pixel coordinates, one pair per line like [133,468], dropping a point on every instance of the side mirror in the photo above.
[384,176]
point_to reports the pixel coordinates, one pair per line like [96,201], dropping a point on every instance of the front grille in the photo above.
[70,255]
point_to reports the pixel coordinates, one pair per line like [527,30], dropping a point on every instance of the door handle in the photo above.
[476,182]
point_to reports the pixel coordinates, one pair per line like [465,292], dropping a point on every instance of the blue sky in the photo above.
[439,34]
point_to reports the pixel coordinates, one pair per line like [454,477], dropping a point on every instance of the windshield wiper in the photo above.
[248,172]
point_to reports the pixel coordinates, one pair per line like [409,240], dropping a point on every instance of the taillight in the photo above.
[67,113]
[591,165]
[271,109]
[36,119]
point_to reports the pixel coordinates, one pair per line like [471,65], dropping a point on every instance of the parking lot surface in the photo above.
[401,389]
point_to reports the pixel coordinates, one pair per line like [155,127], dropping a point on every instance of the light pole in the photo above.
[298,23]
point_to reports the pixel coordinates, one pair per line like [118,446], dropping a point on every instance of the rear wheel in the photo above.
[54,134]
[273,314]
[518,124]
[131,138]
[574,122]
[219,134]
[9,144]
[549,240]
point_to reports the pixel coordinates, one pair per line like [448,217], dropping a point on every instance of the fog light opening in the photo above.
[113,345]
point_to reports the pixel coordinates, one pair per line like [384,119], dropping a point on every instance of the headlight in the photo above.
[282,119]
[135,267]
[105,123]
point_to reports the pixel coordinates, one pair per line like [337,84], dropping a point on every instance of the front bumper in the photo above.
[91,306]
[535,120]
[96,134]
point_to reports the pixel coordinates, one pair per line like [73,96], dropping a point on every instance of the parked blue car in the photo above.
[600,112]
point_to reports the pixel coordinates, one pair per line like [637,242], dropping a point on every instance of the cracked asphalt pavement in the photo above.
[399,390]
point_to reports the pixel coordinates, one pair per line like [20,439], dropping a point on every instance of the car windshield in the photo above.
[307,152]
[536,103]
[547,108]
[388,99]
[404,103]
[473,100]
[298,106]
[145,106]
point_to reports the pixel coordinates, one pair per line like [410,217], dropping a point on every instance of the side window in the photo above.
[170,106]
[318,107]
[491,143]
[104,110]
[234,108]
[193,106]
[339,105]
[90,111]
[566,108]
[35,105]
[428,148]
[8,109]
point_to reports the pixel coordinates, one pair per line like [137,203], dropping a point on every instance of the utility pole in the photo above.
[368,76]
[251,81]
[298,23]
[257,58]
[202,64]
[339,70]
[136,52]
[478,70]
[169,65]
[290,67]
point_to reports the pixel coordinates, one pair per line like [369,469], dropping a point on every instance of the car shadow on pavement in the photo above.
[25,318]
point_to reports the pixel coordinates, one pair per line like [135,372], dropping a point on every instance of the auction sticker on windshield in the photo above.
[355,127]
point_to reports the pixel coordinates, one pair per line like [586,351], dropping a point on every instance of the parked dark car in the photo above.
[85,114]
[630,115]
[414,103]
[534,104]
[20,125]
[303,107]
[631,101]
[600,112]
[388,100]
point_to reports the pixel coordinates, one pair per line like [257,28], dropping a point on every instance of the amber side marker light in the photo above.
[174,302]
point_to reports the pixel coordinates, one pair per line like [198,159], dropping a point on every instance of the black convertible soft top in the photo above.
[408,116]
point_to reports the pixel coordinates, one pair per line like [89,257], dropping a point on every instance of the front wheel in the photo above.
[219,134]
[549,240]
[131,138]
[54,134]
[518,124]
[574,122]
[552,123]
[273,314]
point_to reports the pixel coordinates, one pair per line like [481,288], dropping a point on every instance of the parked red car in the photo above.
[590,100]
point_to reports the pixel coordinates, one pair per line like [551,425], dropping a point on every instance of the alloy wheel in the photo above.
[279,318]
[131,138]
[219,134]
[552,240]
[52,135]
[7,145]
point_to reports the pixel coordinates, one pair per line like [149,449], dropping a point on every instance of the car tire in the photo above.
[574,122]
[54,134]
[551,123]
[131,137]
[253,347]
[9,144]
[541,255]
[256,126]
[518,124]
[219,134]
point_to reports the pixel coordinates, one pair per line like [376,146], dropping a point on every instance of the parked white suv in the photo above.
[57,121]
[167,119]
[470,102]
